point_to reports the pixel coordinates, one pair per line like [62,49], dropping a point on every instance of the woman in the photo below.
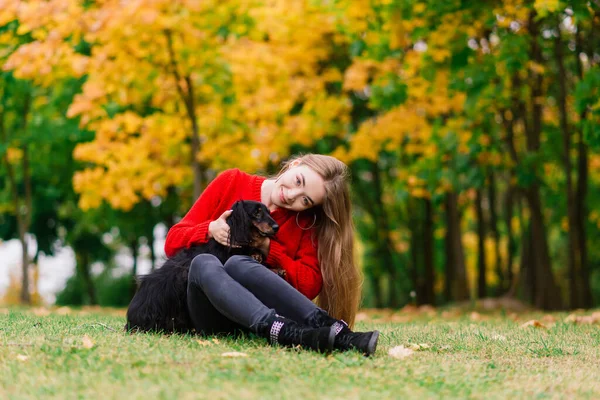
[313,252]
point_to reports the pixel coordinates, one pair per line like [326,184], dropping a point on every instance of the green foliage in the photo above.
[110,291]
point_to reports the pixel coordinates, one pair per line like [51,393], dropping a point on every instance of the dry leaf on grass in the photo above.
[22,357]
[534,323]
[417,347]
[203,342]
[361,316]
[40,311]
[234,354]
[400,352]
[584,319]
[549,318]
[87,342]
[63,310]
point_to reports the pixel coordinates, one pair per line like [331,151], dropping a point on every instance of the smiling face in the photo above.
[298,188]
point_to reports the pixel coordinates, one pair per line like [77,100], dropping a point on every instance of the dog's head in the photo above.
[249,220]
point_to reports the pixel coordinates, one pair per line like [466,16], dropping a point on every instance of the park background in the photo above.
[471,130]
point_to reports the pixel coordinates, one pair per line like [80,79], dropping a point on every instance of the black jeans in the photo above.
[239,295]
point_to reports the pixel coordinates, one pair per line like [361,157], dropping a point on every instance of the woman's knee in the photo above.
[237,266]
[203,266]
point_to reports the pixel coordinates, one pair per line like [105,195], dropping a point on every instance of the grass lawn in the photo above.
[85,354]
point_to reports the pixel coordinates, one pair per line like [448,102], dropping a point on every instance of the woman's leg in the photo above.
[237,304]
[270,288]
[217,303]
[274,292]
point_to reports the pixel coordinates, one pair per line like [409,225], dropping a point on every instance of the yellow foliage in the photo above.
[12,296]
[14,155]
[545,6]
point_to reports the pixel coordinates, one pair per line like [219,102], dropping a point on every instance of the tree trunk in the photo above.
[525,284]
[428,251]
[415,248]
[582,181]
[377,292]
[547,295]
[449,258]
[82,259]
[386,244]
[481,267]
[23,207]
[458,284]
[495,234]
[510,239]
[152,252]
[134,254]
[575,292]
[187,96]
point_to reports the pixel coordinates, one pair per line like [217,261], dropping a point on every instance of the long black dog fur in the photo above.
[160,302]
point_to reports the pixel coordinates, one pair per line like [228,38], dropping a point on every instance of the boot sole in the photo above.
[372,346]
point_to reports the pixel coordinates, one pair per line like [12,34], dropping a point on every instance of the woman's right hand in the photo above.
[219,230]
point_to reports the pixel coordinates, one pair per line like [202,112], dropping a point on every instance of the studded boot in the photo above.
[285,332]
[345,339]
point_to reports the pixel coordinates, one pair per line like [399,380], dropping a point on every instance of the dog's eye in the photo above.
[256,214]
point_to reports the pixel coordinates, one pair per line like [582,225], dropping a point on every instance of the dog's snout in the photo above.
[275,228]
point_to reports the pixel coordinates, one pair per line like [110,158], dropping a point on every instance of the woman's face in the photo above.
[298,188]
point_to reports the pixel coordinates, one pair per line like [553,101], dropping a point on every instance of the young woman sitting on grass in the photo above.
[312,252]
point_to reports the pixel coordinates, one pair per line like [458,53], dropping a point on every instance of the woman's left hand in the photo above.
[263,244]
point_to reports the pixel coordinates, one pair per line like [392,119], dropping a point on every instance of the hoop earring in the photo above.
[305,229]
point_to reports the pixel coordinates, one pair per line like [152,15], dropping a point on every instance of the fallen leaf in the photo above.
[475,316]
[203,342]
[87,342]
[22,357]
[534,323]
[417,347]
[450,314]
[40,311]
[548,318]
[409,308]
[234,354]
[215,341]
[361,316]
[400,352]
[427,309]
[63,310]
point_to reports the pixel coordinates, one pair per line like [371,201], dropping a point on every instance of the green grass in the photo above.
[46,357]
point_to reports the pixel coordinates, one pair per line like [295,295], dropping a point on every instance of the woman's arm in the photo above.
[193,228]
[303,271]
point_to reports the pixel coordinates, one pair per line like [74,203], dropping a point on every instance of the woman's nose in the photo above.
[293,193]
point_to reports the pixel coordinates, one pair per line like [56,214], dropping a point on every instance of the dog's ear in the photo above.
[239,224]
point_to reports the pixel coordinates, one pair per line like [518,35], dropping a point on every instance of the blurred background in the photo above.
[472,130]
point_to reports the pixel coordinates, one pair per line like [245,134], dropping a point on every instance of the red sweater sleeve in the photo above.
[193,228]
[303,272]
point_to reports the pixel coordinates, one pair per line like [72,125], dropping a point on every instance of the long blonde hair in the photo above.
[340,295]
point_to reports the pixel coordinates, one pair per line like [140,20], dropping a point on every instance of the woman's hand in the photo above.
[219,230]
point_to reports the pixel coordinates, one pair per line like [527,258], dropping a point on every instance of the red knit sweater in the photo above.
[292,249]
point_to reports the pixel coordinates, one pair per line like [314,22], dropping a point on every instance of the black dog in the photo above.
[160,303]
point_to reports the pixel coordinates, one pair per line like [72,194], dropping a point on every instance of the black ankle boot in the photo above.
[288,333]
[345,339]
